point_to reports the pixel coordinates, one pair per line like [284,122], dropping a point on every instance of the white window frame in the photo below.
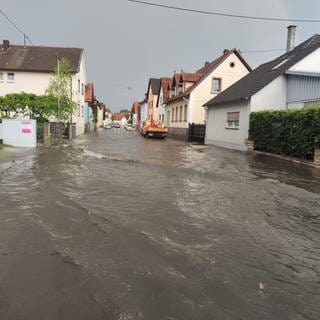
[213,89]
[10,77]
[233,124]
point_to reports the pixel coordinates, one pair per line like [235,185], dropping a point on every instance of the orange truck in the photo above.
[154,129]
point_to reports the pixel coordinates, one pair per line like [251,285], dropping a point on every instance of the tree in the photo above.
[60,86]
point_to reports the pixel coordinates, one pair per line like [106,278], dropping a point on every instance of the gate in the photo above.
[197,132]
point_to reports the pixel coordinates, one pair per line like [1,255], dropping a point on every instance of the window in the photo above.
[233,120]
[10,77]
[216,85]
[1,76]
[185,113]
[180,119]
[177,110]
[176,90]
[184,86]
[82,89]
[172,114]
[160,100]
[78,85]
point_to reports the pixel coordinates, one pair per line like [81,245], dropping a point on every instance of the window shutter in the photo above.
[233,116]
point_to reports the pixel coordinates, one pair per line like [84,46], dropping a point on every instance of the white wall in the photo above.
[36,83]
[78,96]
[1,131]
[271,97]
[20,133]
[143,113]
[310,64]
[295,105]
[216,132]
[161,109]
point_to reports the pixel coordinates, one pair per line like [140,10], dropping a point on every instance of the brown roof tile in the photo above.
[89,95]
[165,84]
[37,58]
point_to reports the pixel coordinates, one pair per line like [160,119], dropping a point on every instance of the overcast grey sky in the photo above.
[126,43]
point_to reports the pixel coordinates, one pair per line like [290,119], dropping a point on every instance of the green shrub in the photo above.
[294,132]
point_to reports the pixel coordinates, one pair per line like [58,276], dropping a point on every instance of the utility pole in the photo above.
[58,67]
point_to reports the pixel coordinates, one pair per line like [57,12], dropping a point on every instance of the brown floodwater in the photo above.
[115,226]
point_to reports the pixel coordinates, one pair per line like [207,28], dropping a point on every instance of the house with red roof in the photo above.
[189,91]
[30,69]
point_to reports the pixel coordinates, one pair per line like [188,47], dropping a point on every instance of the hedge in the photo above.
[293,132]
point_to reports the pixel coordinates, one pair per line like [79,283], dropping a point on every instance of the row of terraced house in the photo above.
[221,94]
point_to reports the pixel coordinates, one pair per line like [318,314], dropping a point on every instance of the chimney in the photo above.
[225,51]
[291,37]
[6,45]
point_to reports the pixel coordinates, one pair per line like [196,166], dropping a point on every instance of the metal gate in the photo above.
[197,132]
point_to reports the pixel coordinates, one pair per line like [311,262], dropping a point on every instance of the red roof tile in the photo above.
[89,96]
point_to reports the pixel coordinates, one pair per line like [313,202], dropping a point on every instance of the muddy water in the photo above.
[118,227]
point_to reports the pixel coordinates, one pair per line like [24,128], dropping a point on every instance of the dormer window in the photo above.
[280,64]
[176,90]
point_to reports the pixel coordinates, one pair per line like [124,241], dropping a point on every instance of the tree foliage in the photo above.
[291,132]
[124,111]
[38,107]
[60,86]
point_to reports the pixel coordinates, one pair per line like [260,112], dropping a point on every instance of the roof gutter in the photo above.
[227,102]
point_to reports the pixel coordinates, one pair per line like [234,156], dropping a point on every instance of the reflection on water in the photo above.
[163,229]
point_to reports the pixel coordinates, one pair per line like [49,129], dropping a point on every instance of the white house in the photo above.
[190,91]
[143,113]
[165,84]
[152,98]
[289,81]
[30,68]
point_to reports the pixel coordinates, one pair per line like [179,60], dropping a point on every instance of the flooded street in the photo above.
[115,226]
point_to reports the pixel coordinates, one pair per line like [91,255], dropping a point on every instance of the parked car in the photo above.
[116,125]
[108,126]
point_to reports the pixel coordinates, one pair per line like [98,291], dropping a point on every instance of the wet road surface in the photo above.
[115,226]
